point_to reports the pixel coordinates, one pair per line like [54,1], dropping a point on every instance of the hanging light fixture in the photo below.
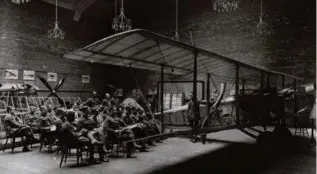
[20,1]
[225,5]
[176,36]
[262,28]
[56,32]
[121,23]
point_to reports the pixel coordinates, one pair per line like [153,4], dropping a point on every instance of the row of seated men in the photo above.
[101,125]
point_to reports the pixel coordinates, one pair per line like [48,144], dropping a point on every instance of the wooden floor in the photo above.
[228,151]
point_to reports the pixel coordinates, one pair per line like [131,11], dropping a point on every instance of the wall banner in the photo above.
[12,74]
[85,79]
[28,75]
[51,77]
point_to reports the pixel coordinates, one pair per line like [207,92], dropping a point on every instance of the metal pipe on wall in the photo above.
[208,93]
[268,81]
[295,97]
[262,81]
[237,95]
[195,82]
[161,97]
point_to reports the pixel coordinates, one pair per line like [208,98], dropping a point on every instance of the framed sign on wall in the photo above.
[12,74]
[51,77]
[28,75]
[119,92]
[85,79]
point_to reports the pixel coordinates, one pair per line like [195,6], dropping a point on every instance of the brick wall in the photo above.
[23,44]
[291,48]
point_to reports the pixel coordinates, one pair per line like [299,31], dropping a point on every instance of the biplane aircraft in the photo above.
[146,50]
[15,94]
[22,96]
[18,89]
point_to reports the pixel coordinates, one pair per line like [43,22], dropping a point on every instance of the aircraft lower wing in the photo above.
[184,108]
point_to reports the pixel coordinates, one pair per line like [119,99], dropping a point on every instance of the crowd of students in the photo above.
[98,122]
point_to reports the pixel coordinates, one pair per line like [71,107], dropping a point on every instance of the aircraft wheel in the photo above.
[203,138]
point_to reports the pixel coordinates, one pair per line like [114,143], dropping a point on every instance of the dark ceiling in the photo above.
[294,23]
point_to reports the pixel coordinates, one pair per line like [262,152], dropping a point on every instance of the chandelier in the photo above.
[56,32]
[176,36]
[121,23]
[225,5]
[20,1]
[262,28]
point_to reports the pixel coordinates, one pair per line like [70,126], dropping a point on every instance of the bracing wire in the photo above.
[142,94]
[172,77]
[56,12]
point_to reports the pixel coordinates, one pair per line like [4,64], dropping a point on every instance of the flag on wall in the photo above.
[28,75]
[12,74]
[51,77]
[85,79]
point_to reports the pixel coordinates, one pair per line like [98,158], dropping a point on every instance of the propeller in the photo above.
[53,91]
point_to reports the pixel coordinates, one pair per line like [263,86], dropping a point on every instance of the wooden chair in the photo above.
[48,139]
[120,147]
[13,143]
[12,136]
[117,145]
[67,143]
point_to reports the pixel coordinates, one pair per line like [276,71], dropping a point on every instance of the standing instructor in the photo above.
[193,116]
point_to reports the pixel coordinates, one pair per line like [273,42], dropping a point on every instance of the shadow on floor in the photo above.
[238,158]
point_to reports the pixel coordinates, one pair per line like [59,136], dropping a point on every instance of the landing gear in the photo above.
[277,141]
[265,142]
[312,140]
[282,137]
[203,138]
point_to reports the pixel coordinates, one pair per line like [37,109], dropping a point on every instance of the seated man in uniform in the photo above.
[14,126]
[93,100]
[134,114]
[126,116]
[140,130]
[152,123]
[70,130]
[114,132]
[97,118]
[50,110]
[52,114]
[88,123]
[73,135]
[151,126]
[61,114]
[46,121]
[95,133]
[135,128]
[48,127]
[32,119]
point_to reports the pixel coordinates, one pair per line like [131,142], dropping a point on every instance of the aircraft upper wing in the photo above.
[143,49]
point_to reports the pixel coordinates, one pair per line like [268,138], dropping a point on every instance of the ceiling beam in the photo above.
[80,7]
[64,4]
